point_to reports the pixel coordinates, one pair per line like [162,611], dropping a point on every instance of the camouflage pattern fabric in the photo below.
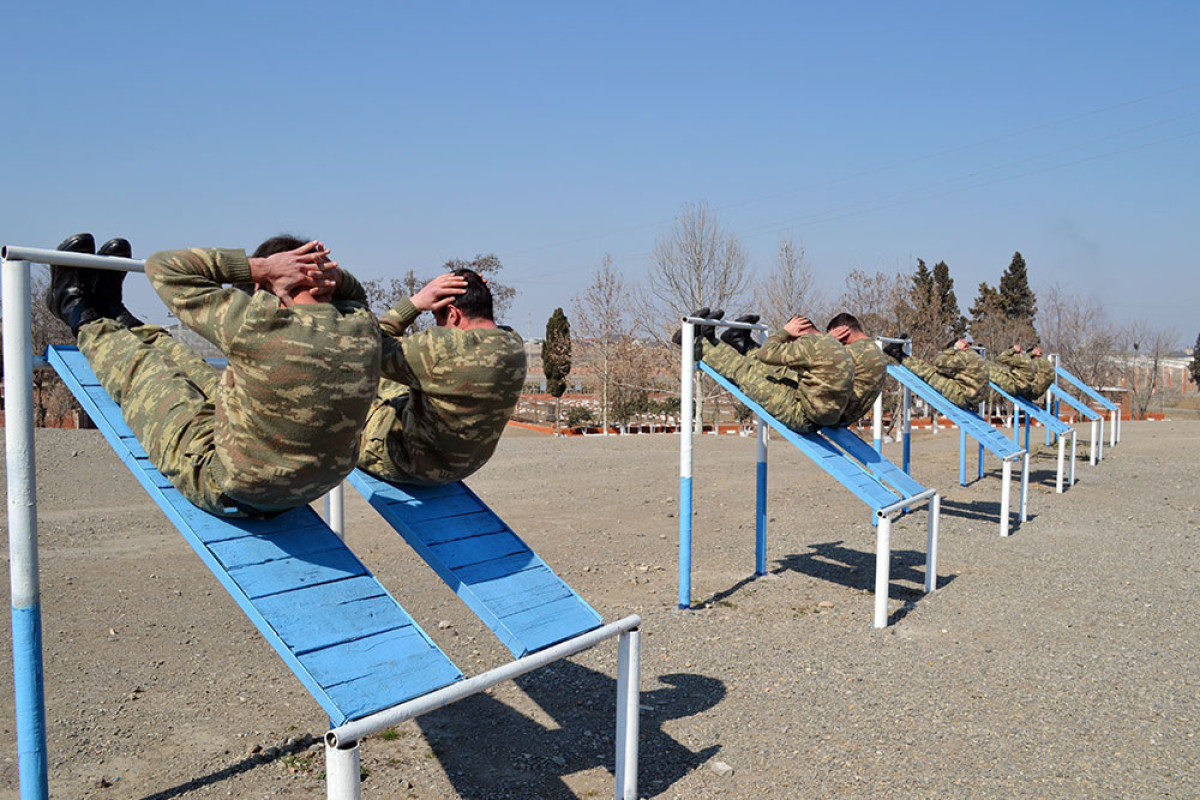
[961,376]
[279,426]
[1043,377]
[870,370]
[1013,372]
[804,383]
[446,397]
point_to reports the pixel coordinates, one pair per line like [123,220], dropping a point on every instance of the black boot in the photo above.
[69,295]
[701,333]
[896,351]
[741,339]
[106,285]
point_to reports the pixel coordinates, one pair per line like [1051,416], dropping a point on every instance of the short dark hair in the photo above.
[278,244]
[476,302]
[847,319]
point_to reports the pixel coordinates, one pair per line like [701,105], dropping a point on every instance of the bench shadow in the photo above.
[489,750]
[854,569]
[986,511]
[300,749]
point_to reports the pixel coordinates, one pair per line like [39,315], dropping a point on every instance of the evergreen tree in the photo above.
[930,311]
[1195,366]
[950,315]
[1016,298]
[556,357]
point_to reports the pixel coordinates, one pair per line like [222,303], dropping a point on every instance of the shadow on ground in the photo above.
[513,756]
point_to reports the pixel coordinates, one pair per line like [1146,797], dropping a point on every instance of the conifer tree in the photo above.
[556,357]
[1017,300]
[1195,366]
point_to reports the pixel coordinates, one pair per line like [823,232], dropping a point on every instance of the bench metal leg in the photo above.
[931,544]
[1005,494]
[629,656]
[883,567]
[342,775]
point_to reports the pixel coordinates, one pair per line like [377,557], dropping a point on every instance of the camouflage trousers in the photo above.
[954,391]
[163,388]
[772,387]
[384,428]
[1010,381]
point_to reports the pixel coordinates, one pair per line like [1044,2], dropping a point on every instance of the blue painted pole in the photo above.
[962,457]
[687,370]
[760,522]
[907,434]
[28,689]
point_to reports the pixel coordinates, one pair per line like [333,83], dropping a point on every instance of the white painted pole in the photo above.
[1025,487]
[21,472]
[883,565]
[877,414]
[687,369]
[1062,447]
[1005,494]
[877,423]
[342,773]
[1114,434]
[931,543]
[1071,477]
[629,655]
[1093,455]
[335,510]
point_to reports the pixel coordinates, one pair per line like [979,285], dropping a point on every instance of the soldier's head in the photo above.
[846,328]
[278,244]
[472,308]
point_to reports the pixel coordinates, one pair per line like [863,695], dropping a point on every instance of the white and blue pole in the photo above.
[760,505]
[22,533]
[687,370]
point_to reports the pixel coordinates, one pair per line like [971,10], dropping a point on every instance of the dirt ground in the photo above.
[1059,662]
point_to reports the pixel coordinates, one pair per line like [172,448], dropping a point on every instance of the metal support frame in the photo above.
[1006,487]
[882,518]
[883,549]
[1096,438]
[342,771]
[28,678]
[687,387]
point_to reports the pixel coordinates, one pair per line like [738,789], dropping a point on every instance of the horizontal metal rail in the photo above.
[750,326]
[905,503]
[346,734]
[62,258]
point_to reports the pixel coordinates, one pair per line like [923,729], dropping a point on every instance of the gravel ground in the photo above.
[1054,663]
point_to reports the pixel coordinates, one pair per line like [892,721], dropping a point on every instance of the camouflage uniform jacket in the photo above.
[1013,372]
[447,396]
[870,370]
[299,382]
[1043,372]
[822,368]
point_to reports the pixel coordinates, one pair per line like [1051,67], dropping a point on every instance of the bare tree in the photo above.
[602,317]
[633,369]
[790,288]
[1143,364]
[876,300]
[52,399]
[697,264]
[1077,329]
[382,295]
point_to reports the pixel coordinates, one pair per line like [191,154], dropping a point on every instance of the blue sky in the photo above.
[404,134]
